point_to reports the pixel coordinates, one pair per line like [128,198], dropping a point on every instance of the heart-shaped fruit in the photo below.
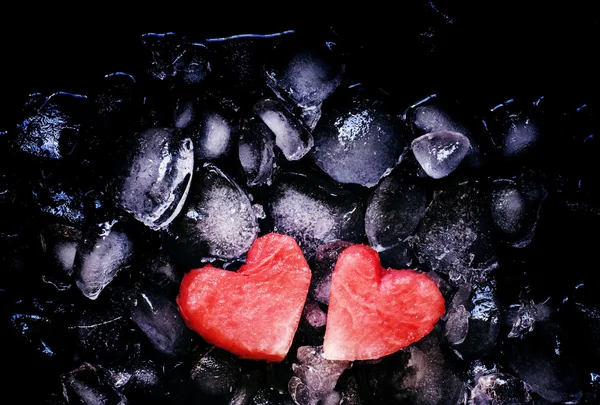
[255,311]
[374,312]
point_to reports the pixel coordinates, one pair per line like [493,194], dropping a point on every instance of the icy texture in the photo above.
[64,254]
[322,267]
[135,376]
[170,56]
[291,135]
[515,209]
[115,100]
[98,260]
[52,127]
[315,378]
[86,385]
[455,235]
[500,389]
[473,320]
[522,317]
[218,220]
[540,361]
[246,389]
[434,114]
[159,318]
[418,375]
[357,140]
[515,129]
[440,153]
[314,211]
[217,372]
[211,135]
[255,151]
[395,210]
[306,76]
[271,397]
[157,177]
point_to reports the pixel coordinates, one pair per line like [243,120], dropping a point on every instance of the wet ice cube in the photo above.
[455,235]
[473,319]
[500,389]
[99,258]
[315,377]
[515,209]
[540,359]
[357,140]
[311,116]
[440,153]
[159,318]
[314,211]
[217,372]
[322,267]
[137,377]
[156,177]
[255,151]
[217,221]
[291,135]
[52,129]
[307,75]
[88,385]
[395,209]
[247,387]
[211,134]
[522,317]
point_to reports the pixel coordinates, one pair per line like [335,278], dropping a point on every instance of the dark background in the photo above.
[489,51]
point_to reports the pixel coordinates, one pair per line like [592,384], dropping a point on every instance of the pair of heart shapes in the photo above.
[254,312]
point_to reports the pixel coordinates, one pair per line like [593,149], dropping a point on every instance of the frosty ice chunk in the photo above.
[357,140]
[314,211]
[440,153]
[455,235]
[501,389]
[217,221]
[156,177]
[217,372]
[291,135]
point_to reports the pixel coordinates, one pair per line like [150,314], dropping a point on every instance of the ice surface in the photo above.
[395,209]
[539,359]
[157,177]
[217,372]
[306,76]
[211,135]
[357,140]
[255,151]
[455,235]
[64,252]
[99,259]
[218,220]
[440,153]
[159,318]
[315,378]
[291,135]
[314,211]
[515,209]
[86,385]
[500,389]
[473,320]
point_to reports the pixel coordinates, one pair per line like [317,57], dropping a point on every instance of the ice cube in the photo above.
[217,221]
[455,235]
[159,318]
[315,378]
[255,151]
[217,372]
[440,153]
[99,258]
[211,134]
[357,140]
[395,209]
[314,211]
[291,135]
[515,209]
[155,180]
[88,385]
[322,267]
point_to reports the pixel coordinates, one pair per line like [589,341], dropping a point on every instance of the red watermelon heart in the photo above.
[374,311]
[255,311]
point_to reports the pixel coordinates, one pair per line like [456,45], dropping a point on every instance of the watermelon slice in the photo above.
[254,312]
[374,312]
